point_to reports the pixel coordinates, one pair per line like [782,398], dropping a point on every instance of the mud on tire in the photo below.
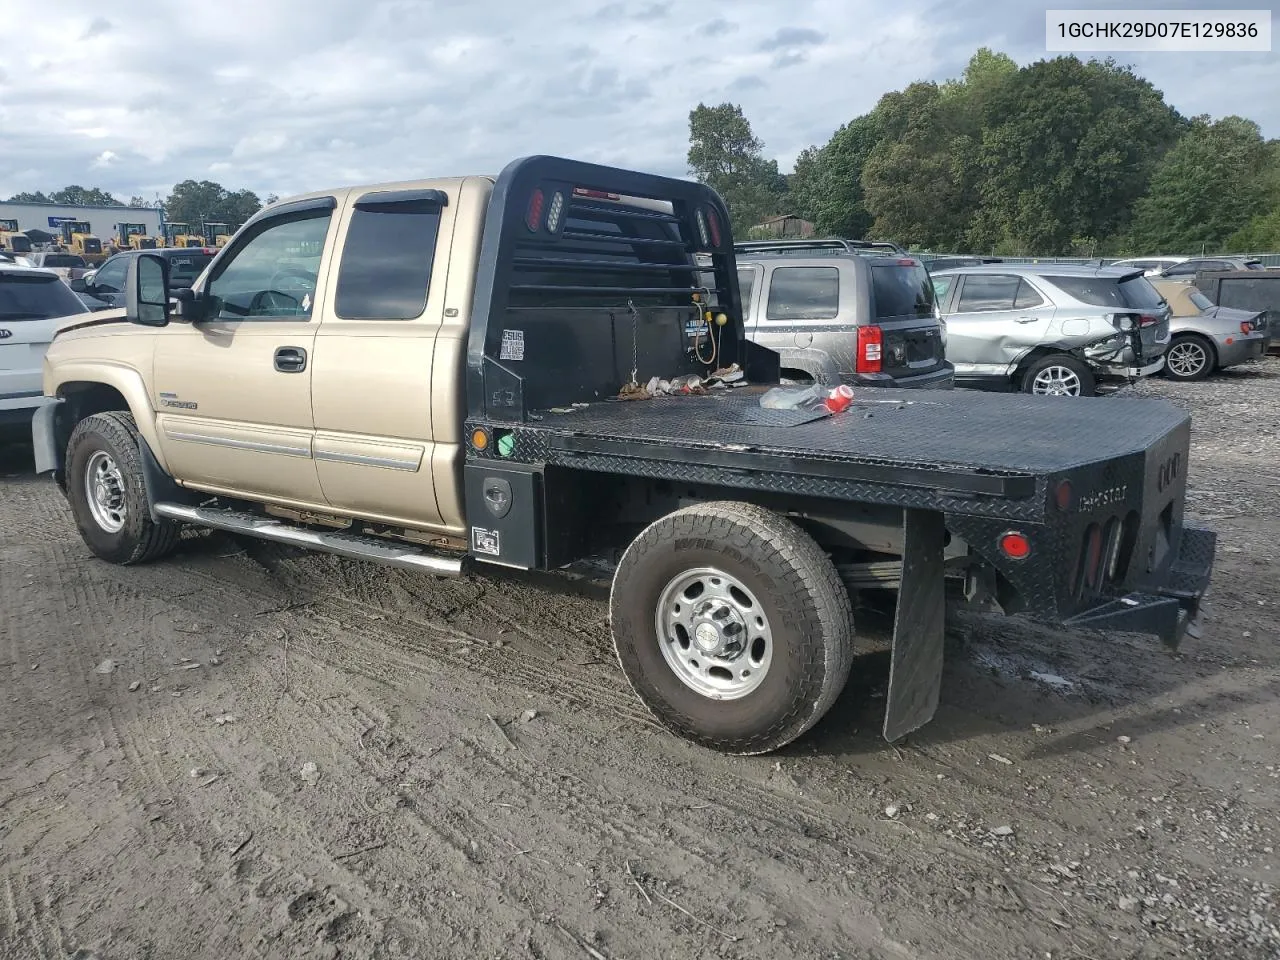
[108,494]
[796,597]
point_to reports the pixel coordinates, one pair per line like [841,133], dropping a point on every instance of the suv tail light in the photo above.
[1246,326]
[870,350]
[1147,320]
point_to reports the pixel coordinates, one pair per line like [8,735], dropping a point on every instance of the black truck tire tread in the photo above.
[803,570]
[143,539]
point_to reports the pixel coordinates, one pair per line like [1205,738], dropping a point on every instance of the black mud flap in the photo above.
[919,626]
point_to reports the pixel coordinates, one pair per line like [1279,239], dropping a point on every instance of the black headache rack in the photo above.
[587,280]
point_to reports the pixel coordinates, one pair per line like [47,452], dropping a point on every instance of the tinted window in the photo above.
[36,297]
[941,287]
[1253,265]
[273,274]
[110,276]
[1027,297]
[993,292]
[747,288]
[184,268]
[804,293]
[898,290]
[63,260]
[386,261]
[1200,300]
[1137,293]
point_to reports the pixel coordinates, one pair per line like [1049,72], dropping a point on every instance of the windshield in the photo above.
[901,290]
[1200,300]
[36,297]
[1136,293]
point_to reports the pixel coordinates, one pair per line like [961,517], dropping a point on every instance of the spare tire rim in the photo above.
[714,633]
[1186,359]
[1056,381]
[104,491]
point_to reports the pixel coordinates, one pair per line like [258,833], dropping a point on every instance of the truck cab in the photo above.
[11,239]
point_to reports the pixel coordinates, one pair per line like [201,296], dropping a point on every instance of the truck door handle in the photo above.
[291,359]
[1026,319]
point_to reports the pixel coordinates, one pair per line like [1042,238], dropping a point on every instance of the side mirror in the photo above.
[146,291]
[78,285]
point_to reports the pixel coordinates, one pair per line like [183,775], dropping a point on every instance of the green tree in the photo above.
[138,202]
[827,184]
[1067,148]
[1206,188]
[194,202]
[74,195]
[728,157]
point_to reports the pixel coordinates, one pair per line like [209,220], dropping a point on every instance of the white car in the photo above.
[32,302]
[1154,266]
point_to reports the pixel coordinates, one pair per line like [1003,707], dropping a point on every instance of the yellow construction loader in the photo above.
[12,240]
[78,238]
[217,234]
[179,235]
[132,236]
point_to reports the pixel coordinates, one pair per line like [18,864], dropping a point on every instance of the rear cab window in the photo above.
[34,296]
[63,260]
[804,293]
[901,289]
[387,256]
[185,268]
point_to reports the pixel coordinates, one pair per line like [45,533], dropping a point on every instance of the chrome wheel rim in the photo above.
[714,633]
[1186,359]
[1056,381]
[104,491]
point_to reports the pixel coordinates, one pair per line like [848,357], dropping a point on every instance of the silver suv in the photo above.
[839,313]
[1051,328]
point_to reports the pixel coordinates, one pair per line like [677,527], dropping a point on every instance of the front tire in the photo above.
[1059,376]
[1189,358]
[732,626]
[108,494]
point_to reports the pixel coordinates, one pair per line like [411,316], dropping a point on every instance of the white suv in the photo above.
[31,303]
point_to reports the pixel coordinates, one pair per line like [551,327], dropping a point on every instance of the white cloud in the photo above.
[286,96]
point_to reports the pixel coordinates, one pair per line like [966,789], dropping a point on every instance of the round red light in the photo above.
[1015,546]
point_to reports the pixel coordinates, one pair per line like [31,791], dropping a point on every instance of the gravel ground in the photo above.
[234,754]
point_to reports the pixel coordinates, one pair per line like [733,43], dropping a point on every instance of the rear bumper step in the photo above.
[343,544]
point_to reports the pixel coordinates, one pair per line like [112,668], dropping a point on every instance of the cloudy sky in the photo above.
[290,95]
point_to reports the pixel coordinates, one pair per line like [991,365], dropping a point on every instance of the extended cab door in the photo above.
[388,359]
[233,392]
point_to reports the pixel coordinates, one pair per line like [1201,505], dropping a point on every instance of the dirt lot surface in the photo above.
[230,755]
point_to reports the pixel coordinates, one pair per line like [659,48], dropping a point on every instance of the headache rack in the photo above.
[834,246]
[588,276]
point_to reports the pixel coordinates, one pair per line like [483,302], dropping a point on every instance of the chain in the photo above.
[635,342]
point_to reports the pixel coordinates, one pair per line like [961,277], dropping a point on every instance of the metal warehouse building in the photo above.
[102,220]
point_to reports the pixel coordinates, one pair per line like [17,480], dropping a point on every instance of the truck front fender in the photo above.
[89,387]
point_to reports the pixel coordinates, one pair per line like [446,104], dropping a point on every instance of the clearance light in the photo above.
[1015,545]
[534,214]
[1062,495]
[553,215]
[713,221]
[480,438]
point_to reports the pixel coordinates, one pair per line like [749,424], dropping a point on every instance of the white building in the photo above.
[102,220]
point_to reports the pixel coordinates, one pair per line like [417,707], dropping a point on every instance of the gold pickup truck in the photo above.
[478,374]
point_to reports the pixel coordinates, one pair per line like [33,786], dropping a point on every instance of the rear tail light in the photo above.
[1246,326]
[1062,495]
[713,222]
[1147,320]
[534,213]
[870,350]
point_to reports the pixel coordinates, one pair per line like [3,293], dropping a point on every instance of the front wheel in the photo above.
[1189,358]
[732,626]
[108,495]
[1059,376]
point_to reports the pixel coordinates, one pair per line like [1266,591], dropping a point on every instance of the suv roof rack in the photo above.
[833,244]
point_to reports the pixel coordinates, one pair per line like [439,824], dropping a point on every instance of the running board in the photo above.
[343,544]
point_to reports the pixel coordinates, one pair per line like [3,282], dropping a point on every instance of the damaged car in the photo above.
[1051,328]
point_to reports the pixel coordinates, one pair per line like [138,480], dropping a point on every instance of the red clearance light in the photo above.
[870,350]
[595,194]
[713,222]
[534,214]
[1062,495]
[1015,545]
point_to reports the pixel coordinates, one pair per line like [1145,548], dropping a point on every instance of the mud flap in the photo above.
[919,624]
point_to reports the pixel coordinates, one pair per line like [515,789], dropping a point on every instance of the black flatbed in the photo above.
[943,446]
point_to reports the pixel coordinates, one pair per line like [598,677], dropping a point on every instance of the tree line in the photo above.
[191,202]
[1061,157]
